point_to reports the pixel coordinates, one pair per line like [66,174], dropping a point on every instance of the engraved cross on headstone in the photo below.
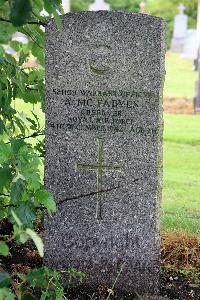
[99,167]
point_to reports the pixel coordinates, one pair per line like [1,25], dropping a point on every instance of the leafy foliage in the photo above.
[80,5]
[45,281]
[130,5]
[4,280]
[4,249]
[22,193]
[20,12]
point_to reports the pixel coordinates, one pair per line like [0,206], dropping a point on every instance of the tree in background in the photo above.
[167,9]
[80,5]
[129,5]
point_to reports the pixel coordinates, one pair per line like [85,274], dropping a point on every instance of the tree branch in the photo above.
[31,22]
[27,33]
[16,67]
[15,205]
[34,134]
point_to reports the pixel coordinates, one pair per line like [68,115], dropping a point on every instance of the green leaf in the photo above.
[22,58]
[17,230]
[3,209]
[2,127]
[20,12]
[26,213]
[45,198]
[37,119]
[18,176]
[38,277]
[23,237]
[15,45]
[5,177]
[16,145]
[5,279]
[48,7]
[6,294]
[5,152]
[17,190]
[52,10]
[38,4]
[39,53]
[34,124]
[1,51]
[17,220]
[37,240]
[32,96]
[21,81]
[11,60]
[20,124]
[57,19]
[4,249]
[27,48]
[28,163]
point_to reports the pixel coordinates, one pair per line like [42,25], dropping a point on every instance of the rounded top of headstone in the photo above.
[142,7]
[109,15]
[181,9]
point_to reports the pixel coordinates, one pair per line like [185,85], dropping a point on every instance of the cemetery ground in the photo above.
[180,219]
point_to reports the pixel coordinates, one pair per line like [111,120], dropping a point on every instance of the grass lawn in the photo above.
[180,77]
[181,194]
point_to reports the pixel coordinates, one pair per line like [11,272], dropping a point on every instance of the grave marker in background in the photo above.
[104,81]
[190,45]
[142,7]
[180,30]
[99,5]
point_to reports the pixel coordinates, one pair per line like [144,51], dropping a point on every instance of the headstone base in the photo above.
[177,45]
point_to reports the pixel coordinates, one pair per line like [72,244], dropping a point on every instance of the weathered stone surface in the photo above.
[104,79]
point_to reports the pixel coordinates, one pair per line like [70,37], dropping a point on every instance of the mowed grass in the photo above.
[180,77]
[181,192]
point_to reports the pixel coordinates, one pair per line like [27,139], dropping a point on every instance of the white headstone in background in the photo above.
[180,30]
[66,6]
[99,5]
[142,7]
[20,37]
[191,44]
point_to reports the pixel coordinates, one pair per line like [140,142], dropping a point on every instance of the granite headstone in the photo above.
[104,81]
